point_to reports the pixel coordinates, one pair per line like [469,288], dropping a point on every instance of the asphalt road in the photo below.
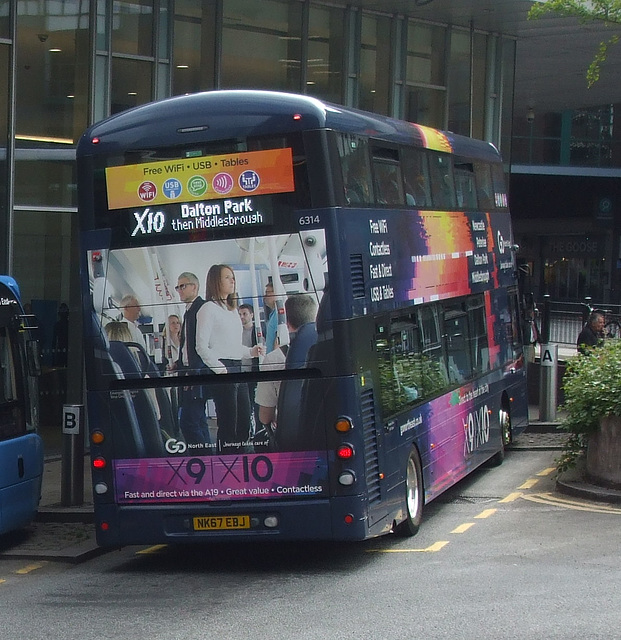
[502,555]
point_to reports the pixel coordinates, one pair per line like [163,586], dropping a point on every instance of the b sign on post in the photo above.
[71,419]
[72,477]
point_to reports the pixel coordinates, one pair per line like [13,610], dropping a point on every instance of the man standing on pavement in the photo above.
[592,335]
[192,418]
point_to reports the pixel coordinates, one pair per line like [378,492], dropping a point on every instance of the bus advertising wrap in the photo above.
[218,478]
[205,309]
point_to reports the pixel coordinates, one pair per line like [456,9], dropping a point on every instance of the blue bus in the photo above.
[21,447]
[301,319]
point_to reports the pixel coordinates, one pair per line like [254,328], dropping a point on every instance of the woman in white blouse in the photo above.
[219,344]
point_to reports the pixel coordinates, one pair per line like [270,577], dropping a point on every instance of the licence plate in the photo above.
[221,523]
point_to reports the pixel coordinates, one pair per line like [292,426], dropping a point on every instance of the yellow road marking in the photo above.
[487,513]
[156,548]
[436,546]
[463,527]
[29,568]
[547,472]
[2,581]
[529,484]
[548,498]
[511,497]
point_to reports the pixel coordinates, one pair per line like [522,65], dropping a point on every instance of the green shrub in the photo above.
[592,386]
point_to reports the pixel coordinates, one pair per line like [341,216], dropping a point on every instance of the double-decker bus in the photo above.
[21,447]
[402,373]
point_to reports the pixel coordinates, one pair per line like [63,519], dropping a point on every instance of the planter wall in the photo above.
[603,461]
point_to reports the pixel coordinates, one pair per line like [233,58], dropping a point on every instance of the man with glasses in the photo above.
[192,418]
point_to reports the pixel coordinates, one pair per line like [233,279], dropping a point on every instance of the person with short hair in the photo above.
[131,312]
[192,416]
[592,334]
[301,311]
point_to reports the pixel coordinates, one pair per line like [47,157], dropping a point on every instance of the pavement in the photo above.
[66,533]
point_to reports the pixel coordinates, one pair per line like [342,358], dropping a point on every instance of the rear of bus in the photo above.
[178,188]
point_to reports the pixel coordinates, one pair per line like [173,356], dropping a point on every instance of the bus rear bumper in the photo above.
[338,519]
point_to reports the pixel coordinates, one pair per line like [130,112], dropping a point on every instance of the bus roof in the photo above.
[233,114]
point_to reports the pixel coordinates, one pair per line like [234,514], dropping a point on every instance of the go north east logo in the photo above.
[175,446]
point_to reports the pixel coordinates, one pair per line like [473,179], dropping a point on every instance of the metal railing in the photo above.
[568,318]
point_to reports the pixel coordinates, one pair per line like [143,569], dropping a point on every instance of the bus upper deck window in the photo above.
[388,183]
[442,182]
[354,153]
[416,177]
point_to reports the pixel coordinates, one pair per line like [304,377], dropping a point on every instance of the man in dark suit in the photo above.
[192,418]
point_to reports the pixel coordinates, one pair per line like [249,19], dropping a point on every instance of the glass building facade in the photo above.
[70,63]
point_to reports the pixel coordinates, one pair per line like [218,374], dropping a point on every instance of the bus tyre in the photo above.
[413,495]
[506,435]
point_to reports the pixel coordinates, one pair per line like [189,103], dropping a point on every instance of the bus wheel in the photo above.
[506,433]
[413,495]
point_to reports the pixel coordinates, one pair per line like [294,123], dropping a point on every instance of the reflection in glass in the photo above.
[132,27]
[194,45]
[325,53]
[5,31]
[425,55]
[459,81]
[52,73]
[261,45]
[131,83]
[374,61]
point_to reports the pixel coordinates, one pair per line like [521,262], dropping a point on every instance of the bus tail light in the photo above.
[99,463]
[345,452]
[347,478]
[349,518]
[343,424]
[297,116]
[95,140]
[104,526]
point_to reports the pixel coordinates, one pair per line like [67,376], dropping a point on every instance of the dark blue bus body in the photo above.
[415,376]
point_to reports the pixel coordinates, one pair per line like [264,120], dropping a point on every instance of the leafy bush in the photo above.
[592,386]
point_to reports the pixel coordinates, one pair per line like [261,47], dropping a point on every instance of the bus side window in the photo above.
[401,368]
[477,334]
[432,350]
[485,186]
[388,183]
[459,363]
[442,184]
[416,177]
[465,189]
[354,154]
